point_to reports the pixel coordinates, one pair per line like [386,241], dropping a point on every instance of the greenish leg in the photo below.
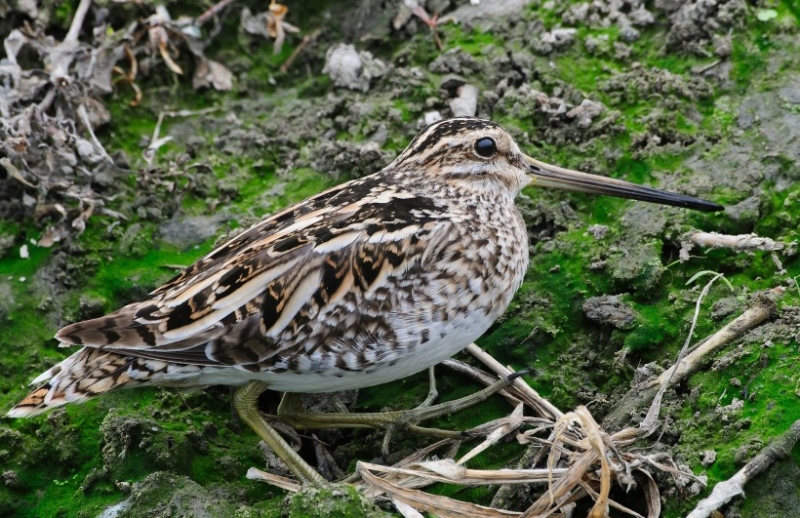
[245,401]
[292,412]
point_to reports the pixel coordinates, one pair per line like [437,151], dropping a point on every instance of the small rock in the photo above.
[641,17]
[87,151]
[735,382]
[483,13]
[723,45]
[343,64]
[597,45]
[725,307]
[638,267]
[10,478]
[622,52]
[454,61]
[708,458]
[597,265]
[351,69]
[353,158]
[747,211]
[741,455]
[167,494]
[629,34]
[451,83]
[610,310]
[598,231]
[736,405]
[210,73]
[28,7]
[380,135]
[585,112]
[466,104]
[91,306]
[429,118]
[556,39]
[698,486]
[341,500]
[577,13]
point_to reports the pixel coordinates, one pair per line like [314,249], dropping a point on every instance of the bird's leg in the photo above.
[432,392]
[391,429]
[292,412]
[245,401]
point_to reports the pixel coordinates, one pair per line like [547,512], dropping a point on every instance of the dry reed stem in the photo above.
[752,317]
[780,447]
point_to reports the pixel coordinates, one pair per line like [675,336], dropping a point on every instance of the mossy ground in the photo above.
[258,154]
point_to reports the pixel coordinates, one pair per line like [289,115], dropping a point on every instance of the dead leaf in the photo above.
[269,24]
[15,173]
[212,73]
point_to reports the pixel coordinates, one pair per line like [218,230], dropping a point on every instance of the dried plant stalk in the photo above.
[779,448]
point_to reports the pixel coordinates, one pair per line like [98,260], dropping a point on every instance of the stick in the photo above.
[87,123]
[544,407]
[77,21]
[211,11]
[779,448]
[308,38]
[749,319]
[638,397]
[740,243]
[651,419]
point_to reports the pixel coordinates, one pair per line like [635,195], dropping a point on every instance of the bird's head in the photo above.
[477,155]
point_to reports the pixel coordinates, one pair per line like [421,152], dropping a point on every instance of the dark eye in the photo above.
[486,147]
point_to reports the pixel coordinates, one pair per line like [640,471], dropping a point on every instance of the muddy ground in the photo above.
[701,97]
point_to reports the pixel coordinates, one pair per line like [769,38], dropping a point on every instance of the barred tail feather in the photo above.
[84,375]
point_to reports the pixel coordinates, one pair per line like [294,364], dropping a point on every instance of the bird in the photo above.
[371,281]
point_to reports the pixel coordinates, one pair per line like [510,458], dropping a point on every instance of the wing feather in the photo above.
[235,305]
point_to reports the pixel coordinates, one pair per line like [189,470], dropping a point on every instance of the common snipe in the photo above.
[371,281]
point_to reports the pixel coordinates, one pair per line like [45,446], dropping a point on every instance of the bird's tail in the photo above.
[84,375]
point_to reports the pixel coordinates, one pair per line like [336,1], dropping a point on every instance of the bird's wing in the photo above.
[254,285]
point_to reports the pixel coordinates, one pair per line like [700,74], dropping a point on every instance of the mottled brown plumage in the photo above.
[371,281]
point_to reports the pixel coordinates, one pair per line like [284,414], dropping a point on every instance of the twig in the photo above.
[759,313]
[544,407]
[441,505]
[156,142]
[276,480]
[431,21]
[502,427]
[450,472]
[705,68]
[481,376]
[61,55]
[740,243]
[651,419]
[211,11]
[780,447]
[47,102]
[308,38]
[77,21]
[640,396]
[88,125]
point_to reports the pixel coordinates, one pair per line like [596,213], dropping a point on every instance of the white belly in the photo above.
[313,376]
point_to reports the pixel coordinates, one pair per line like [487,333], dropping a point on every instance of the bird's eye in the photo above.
[486,147]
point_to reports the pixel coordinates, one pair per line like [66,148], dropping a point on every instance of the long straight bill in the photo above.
[546,175]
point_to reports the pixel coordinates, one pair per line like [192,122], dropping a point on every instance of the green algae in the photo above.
[544,328]
[341,501]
